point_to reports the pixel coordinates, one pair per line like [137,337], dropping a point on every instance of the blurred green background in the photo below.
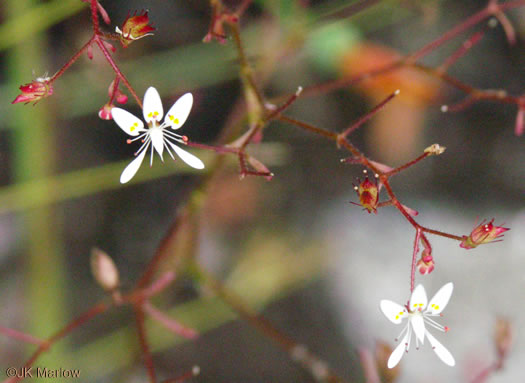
[60,195]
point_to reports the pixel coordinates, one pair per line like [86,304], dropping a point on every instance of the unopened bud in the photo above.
[134,27]
[35,91]
[485,232]
[368,193]
[105,112]
[435,150]
[104,270]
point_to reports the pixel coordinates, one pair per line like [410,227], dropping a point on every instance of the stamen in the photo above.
[402,333]
[139,137]
[436,325]
[144,145]
[168,150]
[174,136]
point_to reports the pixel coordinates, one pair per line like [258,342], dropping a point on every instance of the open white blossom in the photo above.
[418,312]
[156,135]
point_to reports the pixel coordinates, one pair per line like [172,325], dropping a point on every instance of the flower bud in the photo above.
[116,94]
[368,194]
[105,112]
[121,97]
[134,28]
[483,233]
[104,270]
[35,91]
[425,267]
[435,150]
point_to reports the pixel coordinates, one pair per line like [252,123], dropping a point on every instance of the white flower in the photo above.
[418,312]
[156,135]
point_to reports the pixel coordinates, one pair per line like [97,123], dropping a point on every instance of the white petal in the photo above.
[398,352]
[127,122]
[189,158]
[438,303]
[132,168]
[393,311]
[152,105]
[418,300]
[440,350]
[418,324]
[157,139]
[179,112]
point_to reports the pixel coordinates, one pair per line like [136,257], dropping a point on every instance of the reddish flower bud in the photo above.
[35,91]
[134,28]
[368,193]
[425,265]
[105,112]
[121,97]
[483,233]
[116,94]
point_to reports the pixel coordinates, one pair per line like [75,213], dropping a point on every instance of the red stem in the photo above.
[108,57]
[18,335]
[463,49]
[79,321]
[115,89]
[141,330]
[441,234]
[94,17]
[414,258]
[71,60]
[407,165]
[369,115]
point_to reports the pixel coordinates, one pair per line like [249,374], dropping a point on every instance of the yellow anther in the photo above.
[155,114]
[397,316]
[150,114]
[132,129]
[176,120]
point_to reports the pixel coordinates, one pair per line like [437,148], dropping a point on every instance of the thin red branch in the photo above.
[144,345]
[75,323]
[119,73]
[414,259]
[407,165]
[368,115]
[94,17]
[71,60]
[463,49]
[23,337]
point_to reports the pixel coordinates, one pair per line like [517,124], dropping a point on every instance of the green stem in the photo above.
[34,151]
